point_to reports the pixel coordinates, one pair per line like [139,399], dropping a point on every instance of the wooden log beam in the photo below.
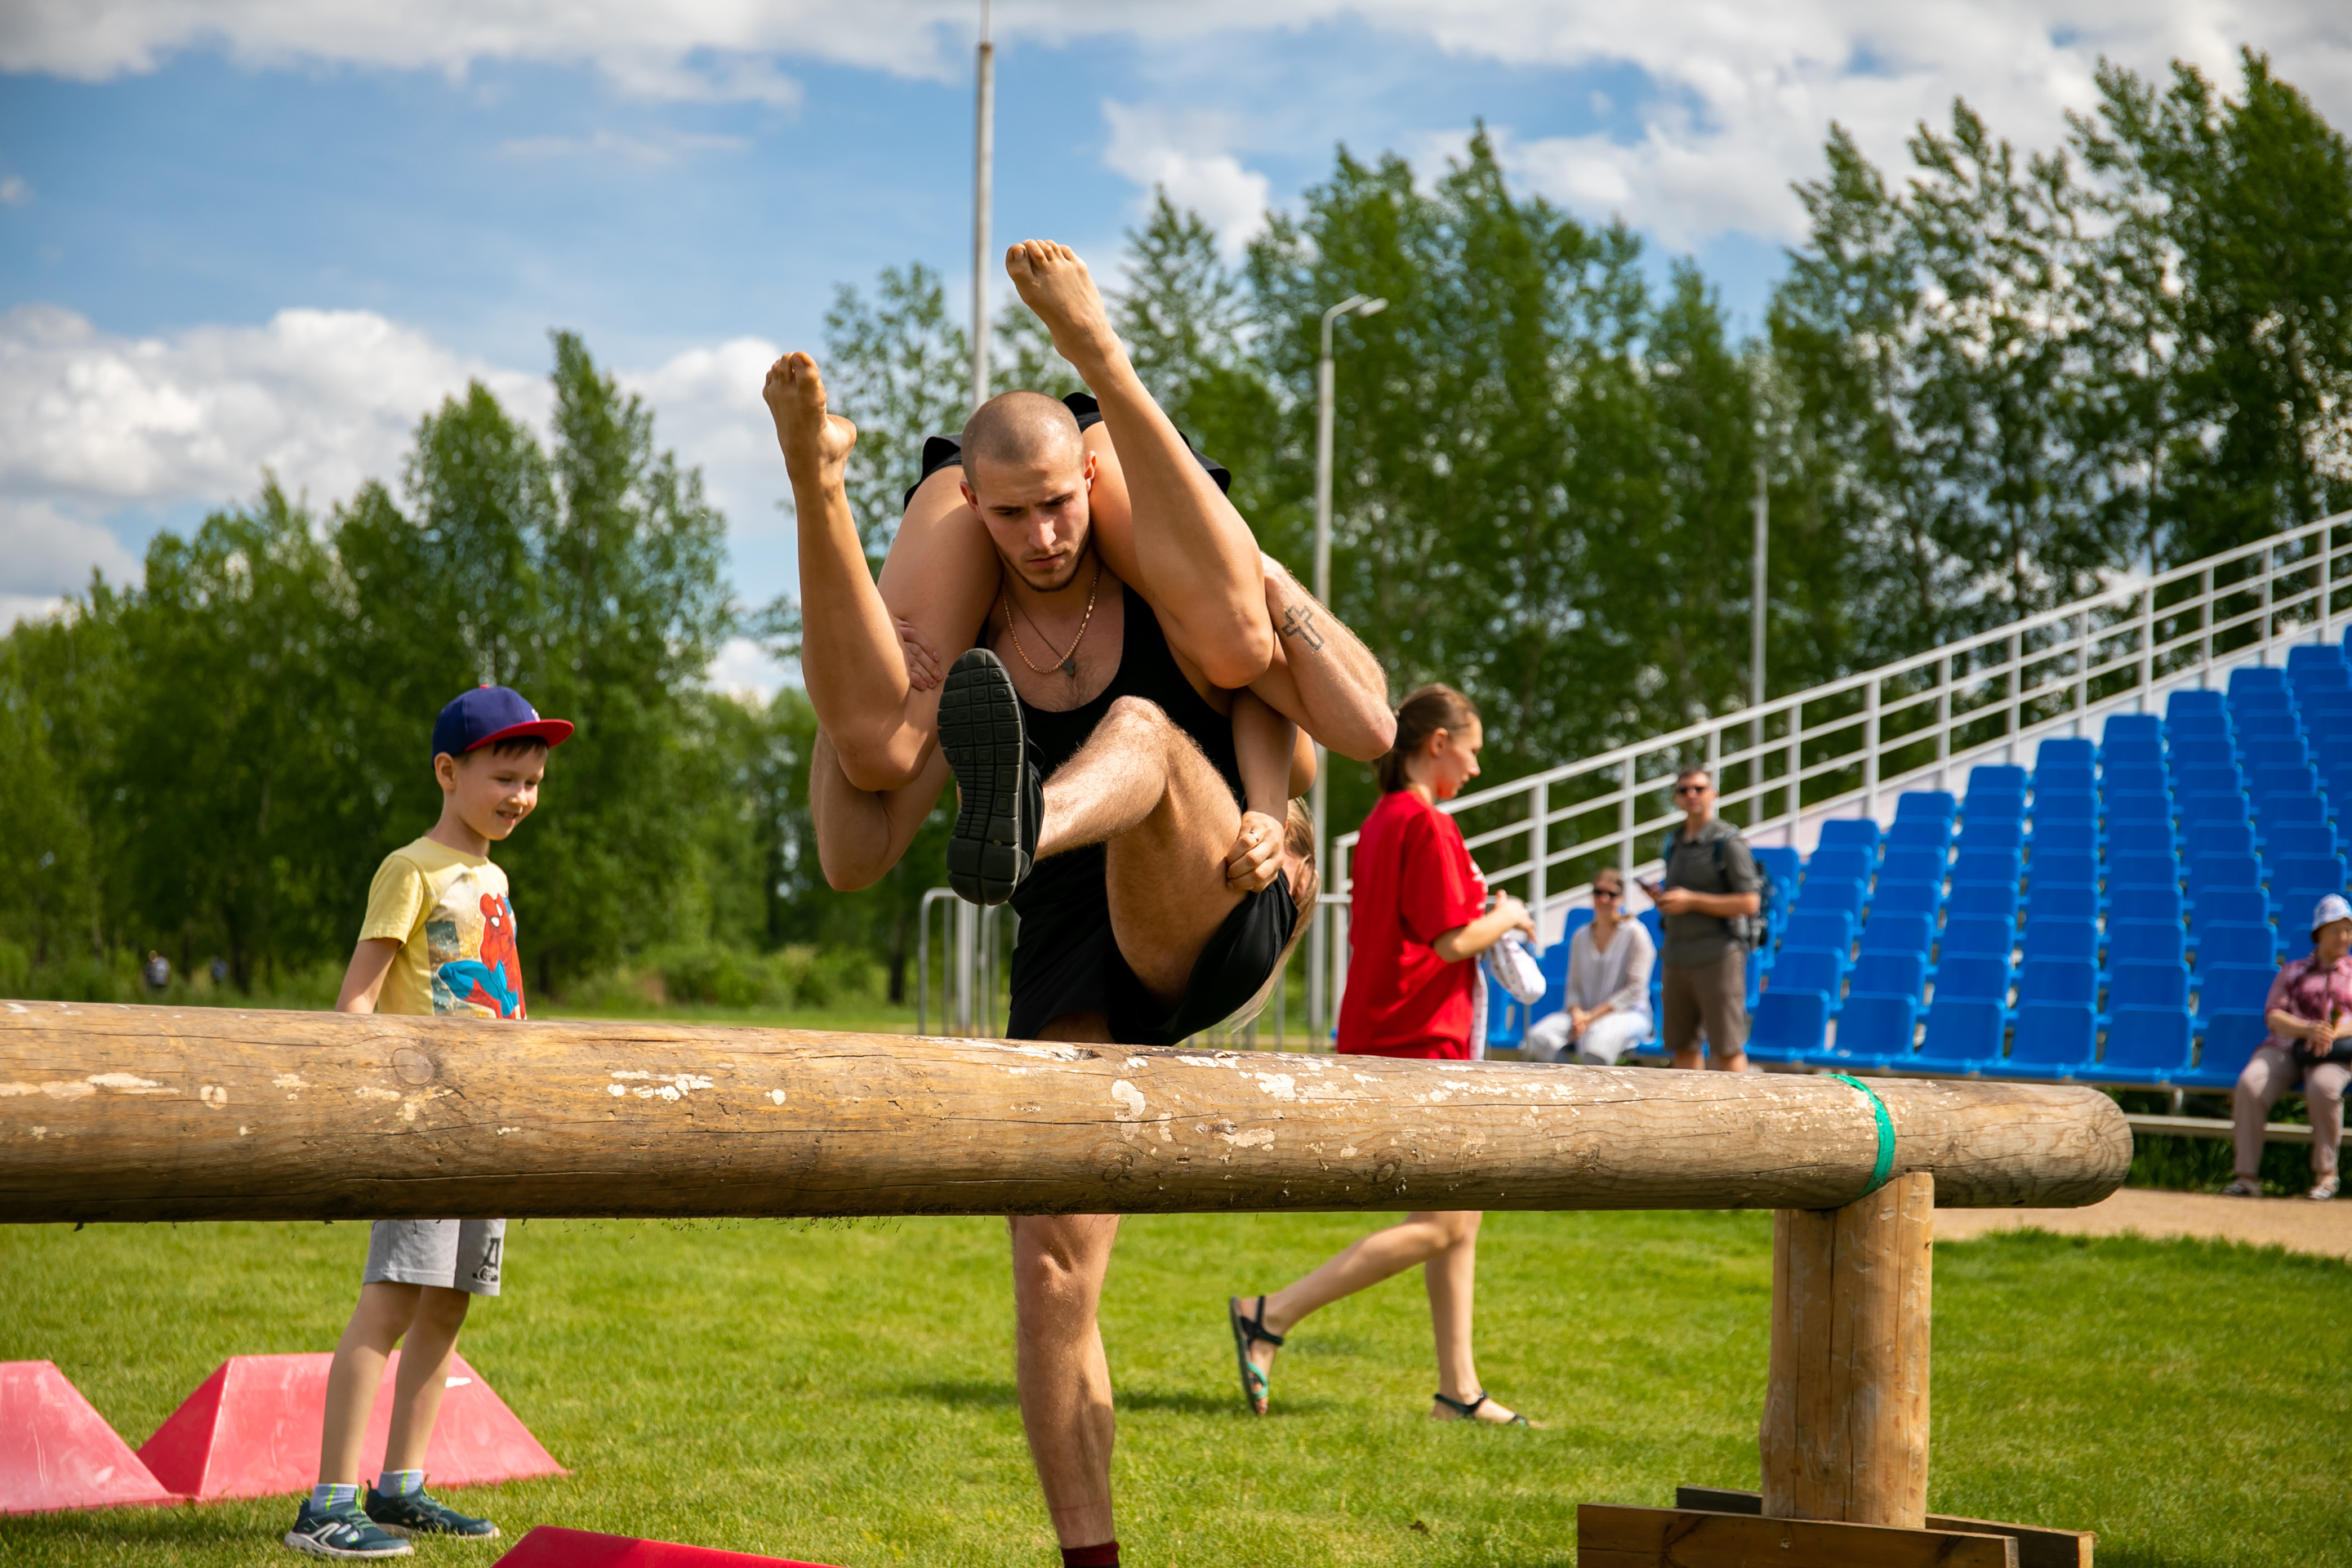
[151,1113]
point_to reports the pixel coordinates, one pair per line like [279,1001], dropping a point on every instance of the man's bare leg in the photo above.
[1200,564]
[1167,820]
[1058,1265]
[852,662]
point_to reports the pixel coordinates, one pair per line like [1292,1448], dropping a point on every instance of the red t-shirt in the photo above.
[1414,882]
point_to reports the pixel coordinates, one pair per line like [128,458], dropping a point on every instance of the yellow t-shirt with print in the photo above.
[455,927]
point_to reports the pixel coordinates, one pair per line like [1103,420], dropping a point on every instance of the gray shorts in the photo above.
[455,1253]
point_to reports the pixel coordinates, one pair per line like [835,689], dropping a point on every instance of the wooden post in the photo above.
[1845,1403]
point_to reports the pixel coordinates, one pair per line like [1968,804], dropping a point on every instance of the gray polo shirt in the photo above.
[1694,940]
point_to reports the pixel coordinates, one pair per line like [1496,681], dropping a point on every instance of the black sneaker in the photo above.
[995,839]
[341,1533]
[419,1514]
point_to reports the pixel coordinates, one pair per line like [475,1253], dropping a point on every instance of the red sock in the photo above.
[1105,1555]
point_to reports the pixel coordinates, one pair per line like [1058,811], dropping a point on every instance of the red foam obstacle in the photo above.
[547,1547]
[253,1430]
[56,1452]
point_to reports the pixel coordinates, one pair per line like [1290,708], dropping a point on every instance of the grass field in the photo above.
[843,1393]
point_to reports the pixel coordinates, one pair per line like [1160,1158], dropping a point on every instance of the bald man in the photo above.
[1133,805]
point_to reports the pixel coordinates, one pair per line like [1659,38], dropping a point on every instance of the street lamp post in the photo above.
[1318,960]
[983,168]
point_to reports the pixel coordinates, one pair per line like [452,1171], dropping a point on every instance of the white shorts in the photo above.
[455,1253]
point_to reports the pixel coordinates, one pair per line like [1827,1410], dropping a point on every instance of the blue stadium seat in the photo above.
[2150,806]
[2276,738]
[2079,837]
[1998,898]
[2297,778]
[2139,984]
[1785,868]
[2186,736]
[1928,832]
[1962,1035]
[1853,863]
[2141,838]
[1655,924]
[1822,893]
[1888,974]
[2148,904]
[1998,836]
[2310,683]
[2208,778]
[2042,979]
[1875,1030]
[2234,987]
[1893,932]
[1973,935]
[1994,806]
[1935,804]
[2283,814]
[2305,657]
[2187,701]
[2144,1045]
[2322,707]
[1848,832]
[2295,907]
[1808,969]
[2074,941]
[2135,778]
[2133,727]
[2052,1040]
[1995,778]
[2238,942]
[2146,942]
[2062,902]
[2075,869]
[1907,897]
[2222,871]
[2064,778]
[2142,871]
[2229,906]
[2070,805]
[2066,751]
[2232,836]
[2325,872]
[1913,863]
[2257,677]
[2230,1042]
[1832,929]
[1788,1024]
[1972,978]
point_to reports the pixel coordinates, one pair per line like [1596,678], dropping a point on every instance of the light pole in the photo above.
[983,161]
[1318,964]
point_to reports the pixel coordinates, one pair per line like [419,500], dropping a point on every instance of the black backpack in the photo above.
[1753,930]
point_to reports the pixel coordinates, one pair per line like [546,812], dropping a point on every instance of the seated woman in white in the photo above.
[1607,1010]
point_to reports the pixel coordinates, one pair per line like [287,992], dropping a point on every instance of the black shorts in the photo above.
[945,452]
[1066,959]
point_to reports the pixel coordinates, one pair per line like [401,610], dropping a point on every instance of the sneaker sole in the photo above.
[980,735]
[313,1548]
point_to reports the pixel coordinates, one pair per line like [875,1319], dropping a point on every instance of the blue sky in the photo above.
[276,238]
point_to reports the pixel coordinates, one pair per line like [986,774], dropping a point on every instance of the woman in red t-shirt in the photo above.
[1417,923]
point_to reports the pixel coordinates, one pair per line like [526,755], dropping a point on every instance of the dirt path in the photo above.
[2297,1224]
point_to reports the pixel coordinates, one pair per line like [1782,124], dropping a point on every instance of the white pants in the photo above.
[1609,1036]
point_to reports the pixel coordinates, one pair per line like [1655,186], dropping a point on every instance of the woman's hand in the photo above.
[923,658]
[1256,859]
[1521,920]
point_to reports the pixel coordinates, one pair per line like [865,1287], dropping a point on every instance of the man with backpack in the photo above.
[1712,899]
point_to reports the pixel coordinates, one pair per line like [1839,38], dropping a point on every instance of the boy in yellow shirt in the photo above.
[440,938]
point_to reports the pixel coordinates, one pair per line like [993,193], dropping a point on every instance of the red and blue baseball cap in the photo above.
[489,714]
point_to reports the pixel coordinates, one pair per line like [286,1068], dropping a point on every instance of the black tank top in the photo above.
[1146,670]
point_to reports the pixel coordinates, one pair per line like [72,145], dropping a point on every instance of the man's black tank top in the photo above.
[1148,669]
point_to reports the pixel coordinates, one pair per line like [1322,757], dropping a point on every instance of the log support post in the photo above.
[1844,1436]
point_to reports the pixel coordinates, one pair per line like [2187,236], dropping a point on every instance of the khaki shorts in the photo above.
[1712,996]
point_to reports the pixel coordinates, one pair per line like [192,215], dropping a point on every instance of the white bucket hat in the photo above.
[2331,908]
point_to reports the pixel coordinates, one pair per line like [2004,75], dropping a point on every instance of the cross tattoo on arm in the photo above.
[1299,621]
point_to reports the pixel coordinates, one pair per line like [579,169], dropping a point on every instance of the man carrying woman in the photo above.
[1418,923]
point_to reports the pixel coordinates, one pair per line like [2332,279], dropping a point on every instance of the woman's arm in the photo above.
[1469,940]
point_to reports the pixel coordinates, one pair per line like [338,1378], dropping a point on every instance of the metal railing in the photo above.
[1848,747]
[971,936]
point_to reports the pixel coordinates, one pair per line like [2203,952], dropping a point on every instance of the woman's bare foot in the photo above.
[1053,282]
[815,442]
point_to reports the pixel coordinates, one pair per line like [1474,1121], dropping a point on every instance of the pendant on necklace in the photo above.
[1070,666]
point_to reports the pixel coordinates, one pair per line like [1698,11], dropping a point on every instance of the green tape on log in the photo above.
[1878,1177]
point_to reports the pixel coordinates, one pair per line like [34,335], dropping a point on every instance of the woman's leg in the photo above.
[1379,1255]
[1452,1278]
[2268,1073]
[1610,1038]
[2322,1093]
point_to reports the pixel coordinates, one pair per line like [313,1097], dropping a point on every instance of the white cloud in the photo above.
[47,549]
[743,668]
[612,147]
[1184,154]
[706,407]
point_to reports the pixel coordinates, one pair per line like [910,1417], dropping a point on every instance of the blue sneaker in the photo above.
[341,1533]
[419,1514]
